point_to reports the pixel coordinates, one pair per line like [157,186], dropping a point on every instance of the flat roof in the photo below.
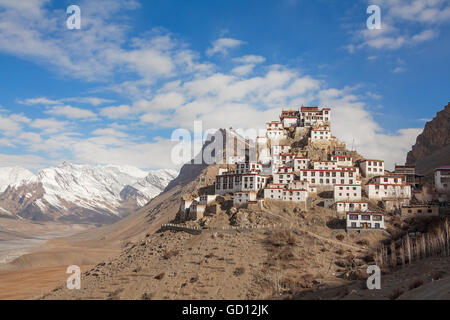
[442,168]
[372,160]
[365,213]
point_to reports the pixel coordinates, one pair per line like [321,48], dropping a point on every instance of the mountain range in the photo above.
[79,193]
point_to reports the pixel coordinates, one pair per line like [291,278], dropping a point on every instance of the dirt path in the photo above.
[336,242]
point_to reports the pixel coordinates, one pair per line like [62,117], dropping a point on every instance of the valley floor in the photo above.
[31,283]
[27,270]
[18,237]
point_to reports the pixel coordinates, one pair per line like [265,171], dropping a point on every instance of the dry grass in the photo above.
[281,238]
[170,253]
[363,242]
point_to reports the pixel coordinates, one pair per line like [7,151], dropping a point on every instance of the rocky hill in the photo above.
[79,193]
[432,147]
[235,257]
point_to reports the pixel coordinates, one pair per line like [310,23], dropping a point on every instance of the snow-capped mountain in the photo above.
[153,183]
[11,175]
[81,192]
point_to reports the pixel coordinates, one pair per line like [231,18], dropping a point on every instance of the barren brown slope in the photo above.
[427,279]
[432,147]
[94,245]
[232,264]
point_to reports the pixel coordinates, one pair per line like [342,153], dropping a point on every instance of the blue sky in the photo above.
[114,91]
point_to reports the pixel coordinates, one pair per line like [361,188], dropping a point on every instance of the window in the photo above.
[353,217]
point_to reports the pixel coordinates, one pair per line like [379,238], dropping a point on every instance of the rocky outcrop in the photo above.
[432,147]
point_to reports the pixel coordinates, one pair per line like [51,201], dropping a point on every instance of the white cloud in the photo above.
[30,137]
[243,70]
[352,123]
[72,112]
[143,155]
[94,101]
[117,112]
[398,18]
[11,125]
[223,45]
[40,100]
[23,160]
[49,125]
[250,59]
[398,69]
[424,35]
[109,132]
[168,87]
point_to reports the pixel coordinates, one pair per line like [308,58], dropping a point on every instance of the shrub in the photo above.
[369,258]
[340,237]
[170,253]
[239,271]
[281,238]
[363,242]
[147,296]
[160,275]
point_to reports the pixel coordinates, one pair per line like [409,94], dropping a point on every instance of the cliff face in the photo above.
[432,147]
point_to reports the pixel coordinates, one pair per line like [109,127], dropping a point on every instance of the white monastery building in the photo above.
[294,175]
[312,115]
[442,179]
[351,206]
[370,168]
[321,134]
[387,188]
[365,220]
[347,192]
